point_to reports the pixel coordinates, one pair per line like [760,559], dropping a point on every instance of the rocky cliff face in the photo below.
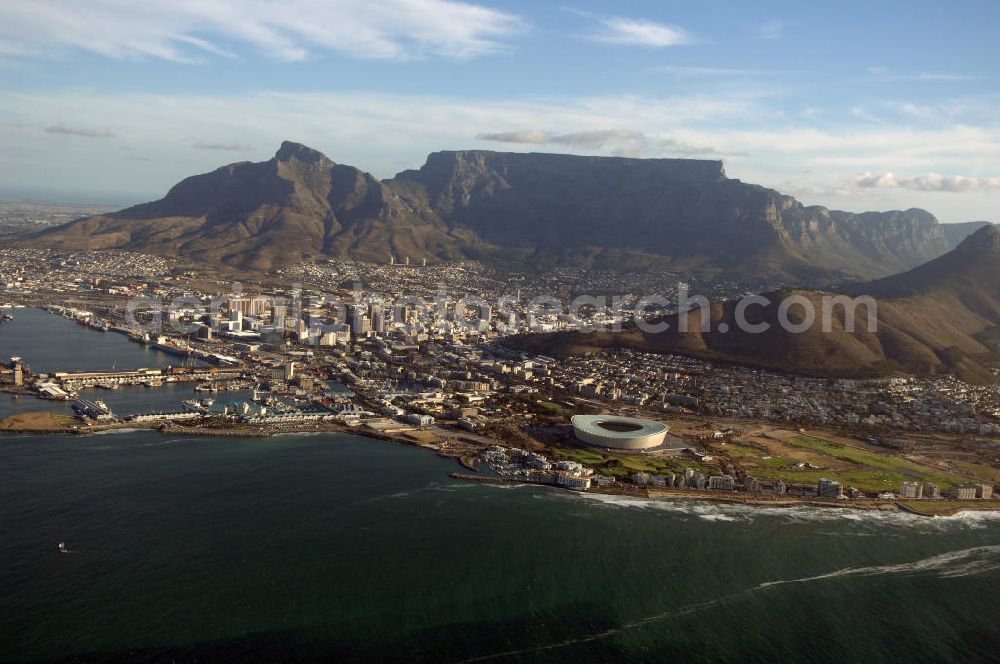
[681,214]
[683,210]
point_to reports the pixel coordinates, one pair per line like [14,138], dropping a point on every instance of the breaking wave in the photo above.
[954,564]
[707,510]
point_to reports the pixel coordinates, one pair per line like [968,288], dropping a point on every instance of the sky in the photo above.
[852,105]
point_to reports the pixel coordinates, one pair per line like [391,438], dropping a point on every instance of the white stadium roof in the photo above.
[627,433]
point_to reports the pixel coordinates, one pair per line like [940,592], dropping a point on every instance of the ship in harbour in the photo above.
[171,346]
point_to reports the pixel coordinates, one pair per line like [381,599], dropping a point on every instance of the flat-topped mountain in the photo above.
[681,214]
[943,316]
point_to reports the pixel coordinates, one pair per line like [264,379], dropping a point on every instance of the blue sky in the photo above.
[854,105]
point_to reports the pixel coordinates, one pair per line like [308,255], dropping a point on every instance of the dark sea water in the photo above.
[340,548]
[337,548]
[49,343]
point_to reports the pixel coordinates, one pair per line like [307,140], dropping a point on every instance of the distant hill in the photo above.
[511,208]
[943,316]
[955,233]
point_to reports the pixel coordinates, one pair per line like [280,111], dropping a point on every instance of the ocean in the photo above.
[338,548]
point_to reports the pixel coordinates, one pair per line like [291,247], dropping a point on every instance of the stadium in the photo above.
[623,433]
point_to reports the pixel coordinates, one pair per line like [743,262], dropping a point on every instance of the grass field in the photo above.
[556,408]
[37,421]
[851,466]
[949,506]
[623,465]
[979,471]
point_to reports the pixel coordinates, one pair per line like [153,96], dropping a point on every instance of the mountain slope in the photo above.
[674,214]
[299,204]
[684,212]
[943,316]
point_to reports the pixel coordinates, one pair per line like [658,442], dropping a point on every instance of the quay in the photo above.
[84,379]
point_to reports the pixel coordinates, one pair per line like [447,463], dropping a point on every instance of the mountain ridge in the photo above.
[508,207]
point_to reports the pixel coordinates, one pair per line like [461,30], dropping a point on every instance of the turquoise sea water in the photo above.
[337,548]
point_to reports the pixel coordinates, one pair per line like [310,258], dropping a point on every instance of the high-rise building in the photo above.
[932,491]
[253,305]
[361,324]
[911,490]
[18,374]
[278,314]
[984,491]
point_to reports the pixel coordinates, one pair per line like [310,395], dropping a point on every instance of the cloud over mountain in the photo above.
[623,142]
[209,145]
[928,182]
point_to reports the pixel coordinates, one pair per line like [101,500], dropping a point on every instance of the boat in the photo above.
[62,547]
[171,347]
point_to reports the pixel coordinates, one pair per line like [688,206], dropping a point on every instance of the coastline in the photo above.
[931,509]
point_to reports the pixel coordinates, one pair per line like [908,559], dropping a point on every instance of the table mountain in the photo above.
[521,208]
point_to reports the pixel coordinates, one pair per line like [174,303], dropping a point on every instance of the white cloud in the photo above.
[188,30]
[87,132]
[696,71]
[640,32]
[209,145]
[772,29]
[621,142]
[528,137]
[928,182]
[884,74]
